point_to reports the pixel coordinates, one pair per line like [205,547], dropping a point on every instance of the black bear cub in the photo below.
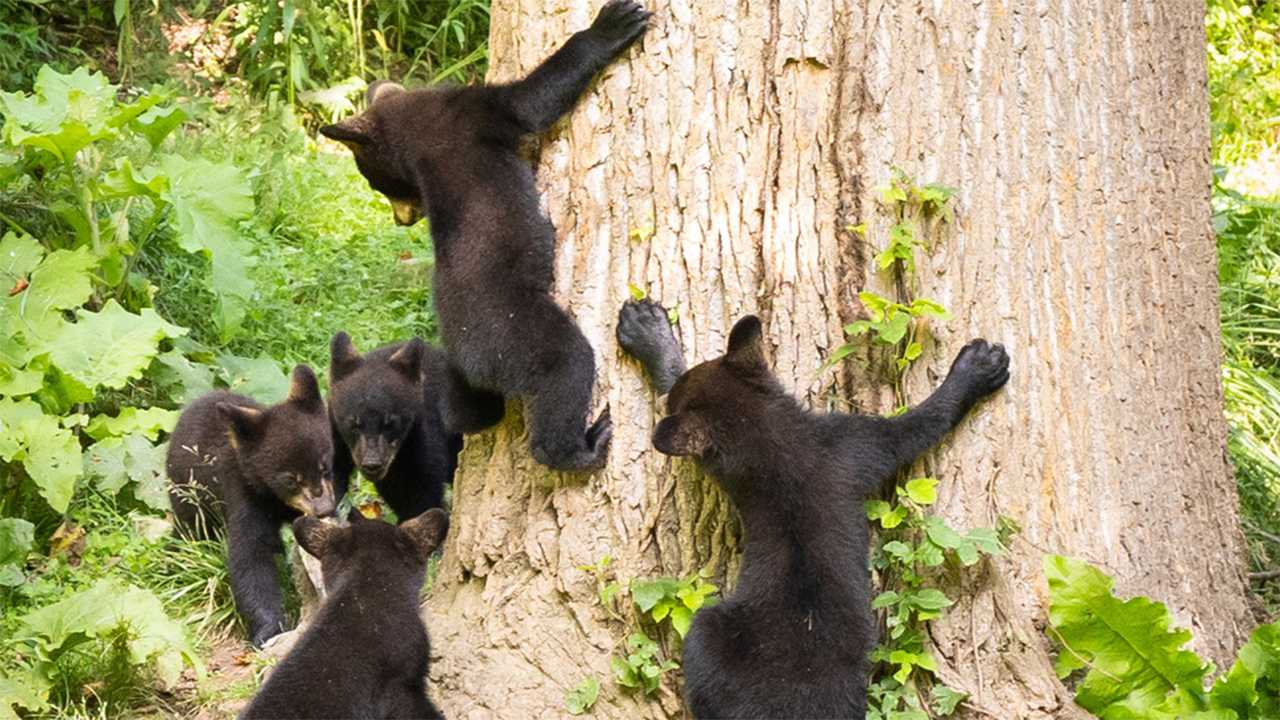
[254,468]
[793,637]
[385,409]
[366,653]
[453,154]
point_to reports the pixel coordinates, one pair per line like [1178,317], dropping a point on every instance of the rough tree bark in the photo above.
[721,165]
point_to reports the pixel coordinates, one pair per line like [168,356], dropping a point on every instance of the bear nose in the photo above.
[372,470]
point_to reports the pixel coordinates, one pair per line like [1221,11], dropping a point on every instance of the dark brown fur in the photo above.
[252,468]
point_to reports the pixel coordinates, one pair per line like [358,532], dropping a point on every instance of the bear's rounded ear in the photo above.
[685,433]
[745,343]
[408,359]
[247,423]
[316,536]
[344,359]
[381,89]
[304,389]
[427,530]
[355,132]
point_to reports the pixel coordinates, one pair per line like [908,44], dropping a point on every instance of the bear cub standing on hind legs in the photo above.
[385,409]
[254,468]
[452,153]
[792,640]
[365,655]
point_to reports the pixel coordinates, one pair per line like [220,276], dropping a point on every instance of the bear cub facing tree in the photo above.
[234,462]
[453,154]
[793,638]
[385,410]
[366,653]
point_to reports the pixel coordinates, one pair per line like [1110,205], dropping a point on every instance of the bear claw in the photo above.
[985,365]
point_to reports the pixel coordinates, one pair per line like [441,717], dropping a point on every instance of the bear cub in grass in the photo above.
[385,409]
[453,155]
[792,639]
[234,462]
[365,655]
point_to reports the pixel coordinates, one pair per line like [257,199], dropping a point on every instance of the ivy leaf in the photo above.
[1135,659]
[582,697]
[941,534]
[922,491]
[647,594]
[945,700]
[681,619]
[110,347]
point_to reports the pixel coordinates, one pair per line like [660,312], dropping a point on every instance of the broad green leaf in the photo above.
[16,538]
[150,422]
[874,304]
[894,518]
[209,200]
[912,351]
[1251,688]
[110,347]
[153,640]
[260,378]
[19,255]
[104,463]
[172,367]
[582,697]
[22,689]
[876,509]
[1135,660]
[935,193]
[648,593]
[929,599]
[61,281]
[884,600]
[156,123]
[967,552]
[63,114]
[921,307]
[922,491]
[898,549]
[892,331]
[841,353]
[15,382]
[125,181]
[986,540]
[49,453]
[144,463]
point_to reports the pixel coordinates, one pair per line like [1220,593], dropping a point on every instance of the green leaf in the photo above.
[912,351]
[967,552]
[922,491]
[19,255]
[194,379]
[110,347]
[929,599]
[260,378]
[874,304]
[64,113]
[941,534]
[681,619]
[150,422]
[637,294]
[648,593]
[153,639]
[24,689]
[884,600]
[894,518]
[61,281]
[876,509]
[156,123]
[1136,661]
[921,307]
[986,540]
[49,453]
[895,328]
[16,538]
[661,610]
[935,194]
[582,697]
[898,549]
[623,673]
[209,200]
[1251,688]
[944,700]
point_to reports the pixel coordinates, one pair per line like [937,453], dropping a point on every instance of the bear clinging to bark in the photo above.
[793,637]
[452,154]
[385,408]
[365,655]
[255,468]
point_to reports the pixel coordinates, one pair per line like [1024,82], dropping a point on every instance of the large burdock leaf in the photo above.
[65,113]
[110,347]
[49,453]
[41,286]
[1136,662]
[209,201]
[154,639]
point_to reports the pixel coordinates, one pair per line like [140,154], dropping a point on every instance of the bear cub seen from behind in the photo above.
[254,468]
[792,640]
[453,155]
[366,653]
[385,409]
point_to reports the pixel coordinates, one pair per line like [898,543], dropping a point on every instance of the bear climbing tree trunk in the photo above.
[722,165]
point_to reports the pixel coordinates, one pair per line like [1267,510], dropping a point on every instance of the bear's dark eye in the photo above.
[392,423]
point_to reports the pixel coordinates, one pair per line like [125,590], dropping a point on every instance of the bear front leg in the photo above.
[253,542]
[644,332]
[980,369]
[553,88]
[466,409]
[557,411]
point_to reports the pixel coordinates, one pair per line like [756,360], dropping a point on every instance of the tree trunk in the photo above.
[721,166]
